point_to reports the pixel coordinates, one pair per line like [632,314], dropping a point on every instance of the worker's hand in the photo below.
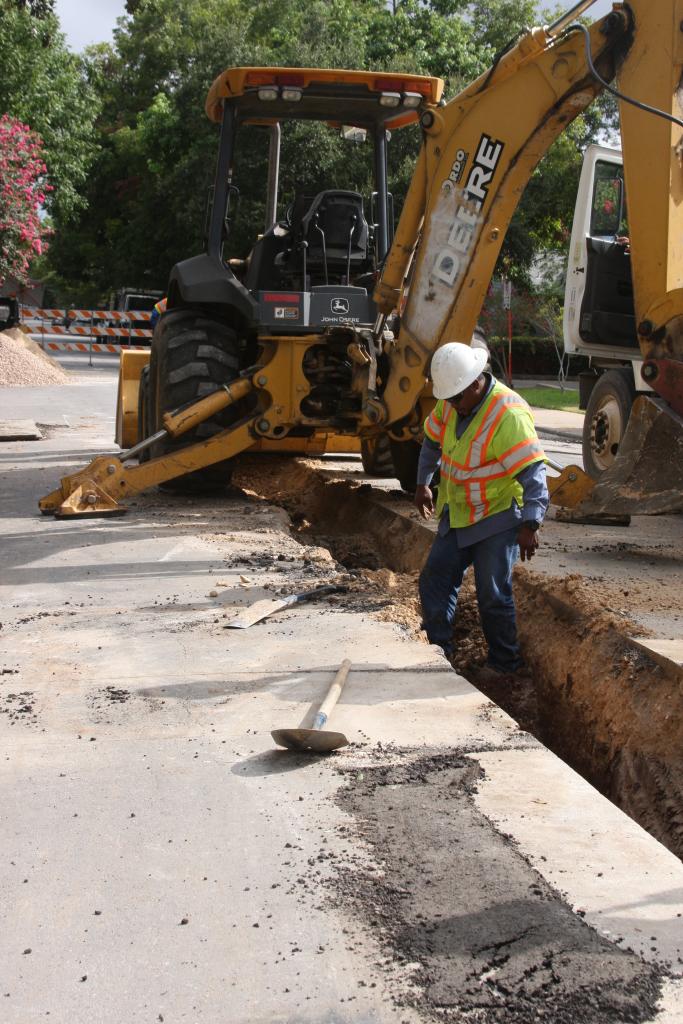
[424,501]
[528,542]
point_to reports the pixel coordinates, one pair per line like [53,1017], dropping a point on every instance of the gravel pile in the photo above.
[24,364]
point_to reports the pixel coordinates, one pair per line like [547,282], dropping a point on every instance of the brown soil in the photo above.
[604,705]
[24,364]
[594,698]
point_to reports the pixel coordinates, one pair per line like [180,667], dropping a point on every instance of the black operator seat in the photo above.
[335,228]
[329,235]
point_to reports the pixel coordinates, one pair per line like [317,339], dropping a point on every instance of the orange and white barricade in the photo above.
[41,321]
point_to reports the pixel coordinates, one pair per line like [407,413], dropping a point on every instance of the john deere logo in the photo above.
[339,306]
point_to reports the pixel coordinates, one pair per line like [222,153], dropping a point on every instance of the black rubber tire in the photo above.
[587,381]
[192,354]
[145,426]
[405,456]
[376,455]
[604,425]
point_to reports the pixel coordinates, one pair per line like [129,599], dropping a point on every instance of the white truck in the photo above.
[599,316]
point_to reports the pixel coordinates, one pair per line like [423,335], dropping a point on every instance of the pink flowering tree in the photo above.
[23,190]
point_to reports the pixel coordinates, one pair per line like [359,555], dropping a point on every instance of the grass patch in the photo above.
[551,398]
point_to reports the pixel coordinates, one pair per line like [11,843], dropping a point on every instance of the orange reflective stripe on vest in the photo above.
[435,426]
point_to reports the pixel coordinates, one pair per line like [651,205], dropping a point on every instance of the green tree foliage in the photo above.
[497,22]
[38,8]
[147,191]
[43,85]
[418,38]
[146,194]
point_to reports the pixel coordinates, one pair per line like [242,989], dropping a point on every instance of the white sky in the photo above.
[92,21]
[88,21]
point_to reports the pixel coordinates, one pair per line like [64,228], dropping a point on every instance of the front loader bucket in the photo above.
[131,365]
[647,475]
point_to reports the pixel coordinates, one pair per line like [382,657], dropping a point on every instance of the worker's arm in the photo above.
[428,463]
[536,500]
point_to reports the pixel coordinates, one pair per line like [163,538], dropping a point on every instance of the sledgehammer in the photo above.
[318,739]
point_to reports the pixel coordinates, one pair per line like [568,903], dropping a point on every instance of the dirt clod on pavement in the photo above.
[485,937]
[19,707]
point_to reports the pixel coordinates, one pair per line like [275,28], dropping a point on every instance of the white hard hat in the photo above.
[454,367]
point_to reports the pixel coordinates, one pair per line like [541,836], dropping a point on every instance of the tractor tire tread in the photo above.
[194,357]
[376,457]
[405,456]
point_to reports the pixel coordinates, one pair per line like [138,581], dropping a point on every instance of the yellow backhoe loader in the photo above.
[291,342]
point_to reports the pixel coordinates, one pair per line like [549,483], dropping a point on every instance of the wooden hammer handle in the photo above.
[333,694]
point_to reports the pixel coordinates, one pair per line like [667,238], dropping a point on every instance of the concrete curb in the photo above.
[560,435]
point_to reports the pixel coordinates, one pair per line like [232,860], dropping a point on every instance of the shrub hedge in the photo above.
[533,355]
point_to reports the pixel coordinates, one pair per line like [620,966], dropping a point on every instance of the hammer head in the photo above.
[319,741]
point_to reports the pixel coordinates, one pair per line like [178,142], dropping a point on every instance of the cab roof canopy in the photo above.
[363,99]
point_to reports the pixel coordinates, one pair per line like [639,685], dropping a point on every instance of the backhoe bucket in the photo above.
[647,475]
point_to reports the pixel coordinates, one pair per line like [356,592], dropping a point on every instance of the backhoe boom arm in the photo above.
[479,152]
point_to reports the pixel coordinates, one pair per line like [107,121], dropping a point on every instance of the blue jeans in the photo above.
[440,581]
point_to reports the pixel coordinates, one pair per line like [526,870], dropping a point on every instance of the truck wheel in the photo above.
[405,456]
[376,456]
[607,413]
[587,381]
[194,354]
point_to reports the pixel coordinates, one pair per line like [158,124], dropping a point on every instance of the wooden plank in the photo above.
[19,430]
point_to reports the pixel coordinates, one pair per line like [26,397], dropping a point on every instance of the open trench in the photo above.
[595,698]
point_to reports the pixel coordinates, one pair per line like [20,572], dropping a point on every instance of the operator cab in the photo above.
[316,263]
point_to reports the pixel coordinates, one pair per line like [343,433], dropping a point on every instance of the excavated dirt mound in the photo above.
[518,953]
[594,698]
[24,364]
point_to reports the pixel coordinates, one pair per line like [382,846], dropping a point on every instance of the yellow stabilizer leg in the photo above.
[97,489]
[88,500]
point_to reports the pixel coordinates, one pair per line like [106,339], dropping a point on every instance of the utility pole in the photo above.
[507,304]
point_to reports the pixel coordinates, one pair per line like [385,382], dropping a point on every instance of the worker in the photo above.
[159,308]
[492,498]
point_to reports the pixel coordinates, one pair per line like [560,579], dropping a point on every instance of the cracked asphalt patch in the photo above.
[487,939]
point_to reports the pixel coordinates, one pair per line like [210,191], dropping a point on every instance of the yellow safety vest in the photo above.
[478,471]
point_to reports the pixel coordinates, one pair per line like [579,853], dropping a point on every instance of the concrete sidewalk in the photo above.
[559,423]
